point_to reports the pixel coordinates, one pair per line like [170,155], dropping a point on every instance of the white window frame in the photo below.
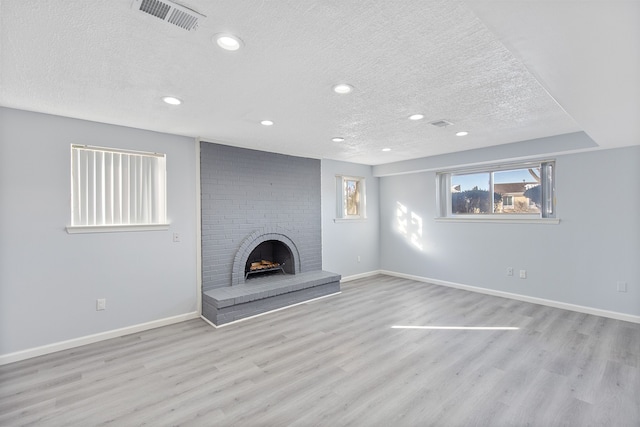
[116,190]
[547,213]
[341,198]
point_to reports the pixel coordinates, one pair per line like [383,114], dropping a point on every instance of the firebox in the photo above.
[269,257]
[267,250]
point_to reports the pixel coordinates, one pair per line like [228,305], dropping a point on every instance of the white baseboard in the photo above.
[360,276]
[550,303]
[89,339]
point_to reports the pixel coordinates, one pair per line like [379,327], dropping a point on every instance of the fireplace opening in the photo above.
[269,257]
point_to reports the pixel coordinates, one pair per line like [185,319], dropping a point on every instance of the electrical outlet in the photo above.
[176,237]
[509,271]
[101,304]
[622,286]
[358,258]
[523,274]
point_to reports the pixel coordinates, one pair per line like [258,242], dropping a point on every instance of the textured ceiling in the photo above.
[105,61]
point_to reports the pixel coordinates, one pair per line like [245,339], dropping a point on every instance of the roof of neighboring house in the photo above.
[512,187]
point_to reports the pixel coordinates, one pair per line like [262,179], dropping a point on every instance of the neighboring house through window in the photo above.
[524,190]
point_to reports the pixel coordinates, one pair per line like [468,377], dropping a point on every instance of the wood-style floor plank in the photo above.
[338,362]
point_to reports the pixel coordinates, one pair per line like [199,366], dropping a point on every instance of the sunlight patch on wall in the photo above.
[409,224]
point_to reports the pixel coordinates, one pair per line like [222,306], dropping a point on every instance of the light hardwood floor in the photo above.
[338,362]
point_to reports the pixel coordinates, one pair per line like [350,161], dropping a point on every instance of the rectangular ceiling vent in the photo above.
[441,123]
[170,12]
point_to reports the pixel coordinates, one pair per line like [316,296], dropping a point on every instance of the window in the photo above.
[350,197]
[116,189]
[518,191]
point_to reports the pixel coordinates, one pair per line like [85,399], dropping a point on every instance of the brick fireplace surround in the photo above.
[248,197]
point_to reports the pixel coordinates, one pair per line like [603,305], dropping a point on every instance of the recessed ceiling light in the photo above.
[337,139]
[462,133]
[416,117]
[171,100]
[386,149]
[266,123]
[342,88]
[228,41]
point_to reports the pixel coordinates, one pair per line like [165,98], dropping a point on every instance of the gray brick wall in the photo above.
[244,191]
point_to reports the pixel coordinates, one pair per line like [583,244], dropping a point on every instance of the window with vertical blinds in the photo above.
[112,187]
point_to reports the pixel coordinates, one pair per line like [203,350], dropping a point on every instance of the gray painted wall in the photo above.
[50,280]
[578,261]
[244,191]
[343,242]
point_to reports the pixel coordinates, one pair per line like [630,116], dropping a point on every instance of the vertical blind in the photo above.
[117,187]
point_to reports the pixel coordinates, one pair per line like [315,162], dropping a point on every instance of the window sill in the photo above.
[495,220]
[349,220]
[81,229]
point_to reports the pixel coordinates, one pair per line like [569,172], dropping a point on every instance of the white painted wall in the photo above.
[343,242]
[50,280]
[578,261]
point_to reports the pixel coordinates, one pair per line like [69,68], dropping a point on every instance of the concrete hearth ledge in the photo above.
[262,294]
[265,287]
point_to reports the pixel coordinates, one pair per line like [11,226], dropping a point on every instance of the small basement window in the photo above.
[117,190]
[523,191]
[351,199]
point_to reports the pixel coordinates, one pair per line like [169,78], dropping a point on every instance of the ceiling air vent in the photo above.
[170,12]
[441,123]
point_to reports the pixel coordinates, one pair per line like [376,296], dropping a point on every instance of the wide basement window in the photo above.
[350,197]
[518,191]
[117,189]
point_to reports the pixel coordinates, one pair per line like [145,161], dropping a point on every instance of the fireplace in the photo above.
[267,244]
[271,245]
[259,209]
[277,280]
[269,257]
